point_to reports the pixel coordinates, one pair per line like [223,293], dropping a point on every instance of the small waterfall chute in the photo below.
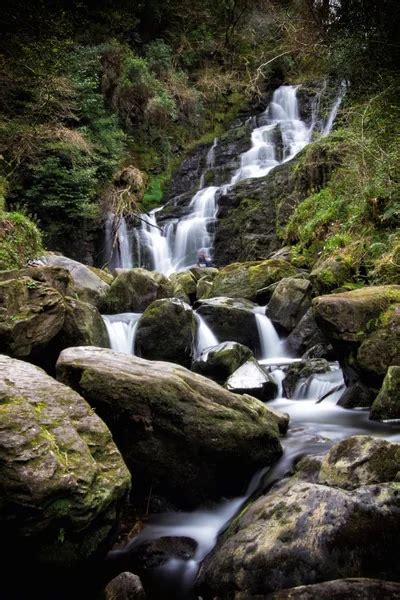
[121,331]
[205,338]
[118,242]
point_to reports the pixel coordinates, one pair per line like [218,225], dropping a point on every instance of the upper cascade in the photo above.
[175,246]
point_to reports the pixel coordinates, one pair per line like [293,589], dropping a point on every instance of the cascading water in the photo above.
[121,331]
[118,242]
[270,344]
[204,336]
[334,110]
[282,135]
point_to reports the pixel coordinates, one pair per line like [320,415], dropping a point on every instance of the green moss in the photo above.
[20,240]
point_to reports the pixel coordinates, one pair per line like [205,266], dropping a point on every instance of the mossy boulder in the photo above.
[386,405]
[134,289]
[289,302]
[346,316]
[243,280]
[183,436]
[62,478]
[55,277]
[360,460]
[166,331]
[20,238]
[251,379]
[219,362]
[381,348]
[31,314]
[87,285]
[184,286]
[231,319]
[332,273]
[306,532]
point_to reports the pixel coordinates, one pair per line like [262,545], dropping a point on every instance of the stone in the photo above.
[31,314]
[331,273]
[183,436]
[166,331]
[231,319]
[62,478]
[289,302]
[251,379]
[305,335]
[184,286]
[54,277]
[360,460]
[357,395]
[356,588]
[133,290]
[219,362]
[243,280]
[88,286]
[126,586]
[381,348]
[302,370]
[386,405]
[345,316]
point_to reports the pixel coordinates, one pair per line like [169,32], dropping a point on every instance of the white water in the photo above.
[334,110]
[118,242]
[121,331]
[204,336]
[270,344]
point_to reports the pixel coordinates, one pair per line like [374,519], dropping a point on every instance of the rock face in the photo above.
[86,284]
[305,335]
[134,289]
[62,477]
[251,379]
[182,435]
[221,361]
[231,320]
[243,280]
[289,303]
[31,314]
[166,331]
[387,404]
[304,532]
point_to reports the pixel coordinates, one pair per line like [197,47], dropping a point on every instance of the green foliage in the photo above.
[20,240]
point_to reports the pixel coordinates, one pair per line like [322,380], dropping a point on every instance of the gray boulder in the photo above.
[133,290]
[251,379]
[305,335]
[290,301]
[386,405]
[219,362]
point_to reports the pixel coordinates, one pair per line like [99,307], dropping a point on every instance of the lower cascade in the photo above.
[121,331]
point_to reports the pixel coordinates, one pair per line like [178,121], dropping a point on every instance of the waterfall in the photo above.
[270,344]
[118,242]
[334,110]
[204,336]
[121,331]
[319,385]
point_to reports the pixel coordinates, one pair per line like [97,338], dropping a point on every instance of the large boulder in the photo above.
[386,405]
[126,586]
[290,301]
[251,379]
[62,477]
[166,331]
[88,286]
[58,278]
[306,532]
[31,314]
[332,273]
[184,286]
[243,280]
[305,335]
[354,588]
[346,316]
[381,348]
[184,437]
[231,319]
[134,289]
[219,362]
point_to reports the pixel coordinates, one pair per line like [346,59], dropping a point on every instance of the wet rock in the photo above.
[345,316]
[62,477]
[357,396]
[381,349]
[305,335]
[331,273]
[183,436]
[360,460]
[304,533]
[184,286]
[251,379]
[126,586]
[88,286]
[289,302]
[166,331]
[221,361]
[303,370]
[231,319]
[357,588]
[31,314]
[133,290]
[243,280]
[386,405]
[319,351]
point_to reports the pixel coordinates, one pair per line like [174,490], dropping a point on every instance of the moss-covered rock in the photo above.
[219,362]
[54,277]
[381,348]
[31,314]
[360,460]
[386,405]
[346,316]
[332,273]
[134,289]
[166,331]
[289,302]
[231,319]
[243,280]
[184,286]
[182,435]
[20,240]
[62,478]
